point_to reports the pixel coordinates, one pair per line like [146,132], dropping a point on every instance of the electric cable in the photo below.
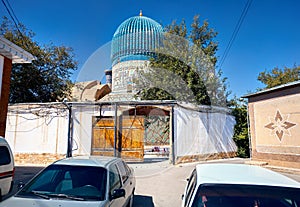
[15,20]
[235,32]
[10,11]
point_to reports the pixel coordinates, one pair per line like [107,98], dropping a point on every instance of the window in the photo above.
[190,188]
[124,171]
[44,180]
[127,169]
[4,156]
[246,195]
[114,179]
[84,182]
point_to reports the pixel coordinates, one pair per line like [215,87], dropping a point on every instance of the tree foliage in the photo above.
[184,67]
[278,76]
[241,137]
[48,77]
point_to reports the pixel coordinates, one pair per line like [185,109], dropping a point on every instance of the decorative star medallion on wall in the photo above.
[279,125]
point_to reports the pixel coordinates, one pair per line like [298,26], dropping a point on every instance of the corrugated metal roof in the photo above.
[295,83]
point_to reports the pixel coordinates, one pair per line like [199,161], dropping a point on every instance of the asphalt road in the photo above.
[162,185]
[158,183]
[22,175]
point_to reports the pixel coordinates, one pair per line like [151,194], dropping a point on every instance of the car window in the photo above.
[84,182]
[124,171]
[49,176]
[246,195]
[114,179]
[127,169]
[4,156]
[190,188]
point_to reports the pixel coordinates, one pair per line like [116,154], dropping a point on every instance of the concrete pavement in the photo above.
[161,184]
[158,183]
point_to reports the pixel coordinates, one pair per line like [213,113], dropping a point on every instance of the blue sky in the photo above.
[269,36]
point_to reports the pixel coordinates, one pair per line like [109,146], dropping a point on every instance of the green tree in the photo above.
[184,67]
[48,77]
[278,76]
[241,137]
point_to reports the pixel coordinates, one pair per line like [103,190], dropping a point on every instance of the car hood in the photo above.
[26,202]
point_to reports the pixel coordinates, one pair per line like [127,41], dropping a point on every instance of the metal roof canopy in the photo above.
[276,88]
[157,103]
[14,52]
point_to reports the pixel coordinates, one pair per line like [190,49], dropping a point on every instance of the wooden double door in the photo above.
[130,133]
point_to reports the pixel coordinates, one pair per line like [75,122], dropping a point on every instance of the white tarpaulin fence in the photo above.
[44,129]
[202,132]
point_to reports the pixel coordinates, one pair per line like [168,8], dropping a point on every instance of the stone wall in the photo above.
[33,159]
[197,158]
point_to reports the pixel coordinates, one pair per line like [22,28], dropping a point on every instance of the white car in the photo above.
[7,168]
[228,185]
[78,181]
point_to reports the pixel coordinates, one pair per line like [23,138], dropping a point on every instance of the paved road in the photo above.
[161,185]
[158,184]
[23,174]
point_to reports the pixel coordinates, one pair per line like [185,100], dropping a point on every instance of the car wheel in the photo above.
[130,203]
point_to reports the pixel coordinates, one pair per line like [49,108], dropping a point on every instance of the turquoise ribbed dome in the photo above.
[135,39]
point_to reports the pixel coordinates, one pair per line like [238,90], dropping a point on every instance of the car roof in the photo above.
[241,174]
[96,161]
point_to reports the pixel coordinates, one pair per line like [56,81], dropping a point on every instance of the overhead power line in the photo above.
[12,11]
[12,15]
[235,32]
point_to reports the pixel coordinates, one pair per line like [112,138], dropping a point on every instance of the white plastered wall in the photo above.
[45,130]
[37,131]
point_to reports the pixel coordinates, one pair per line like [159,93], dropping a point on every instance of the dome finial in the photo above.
[141,13]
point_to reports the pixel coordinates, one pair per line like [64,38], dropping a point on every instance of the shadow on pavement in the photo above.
[150,160]
[143,201]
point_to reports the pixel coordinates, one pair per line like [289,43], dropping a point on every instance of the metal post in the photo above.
[115,130]
[100,109]
[70,130]
[249,133]
[172,135]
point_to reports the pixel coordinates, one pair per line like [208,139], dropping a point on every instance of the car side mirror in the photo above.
[118,193]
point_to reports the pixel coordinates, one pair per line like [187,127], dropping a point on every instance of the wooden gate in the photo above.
[130,137]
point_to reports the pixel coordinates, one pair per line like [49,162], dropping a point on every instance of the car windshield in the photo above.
[68,182]
[209,195]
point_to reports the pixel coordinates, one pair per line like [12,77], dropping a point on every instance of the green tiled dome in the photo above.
[135,39]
